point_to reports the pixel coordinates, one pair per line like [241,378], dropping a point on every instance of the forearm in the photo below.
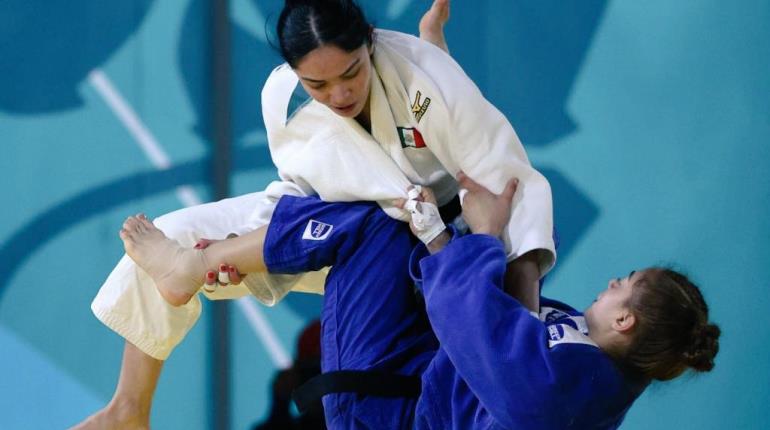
[494,343]
[522,280]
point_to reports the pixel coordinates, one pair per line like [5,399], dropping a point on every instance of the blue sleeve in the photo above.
[496,345]
[306,233]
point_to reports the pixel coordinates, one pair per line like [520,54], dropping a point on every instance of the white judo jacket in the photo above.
[428,122]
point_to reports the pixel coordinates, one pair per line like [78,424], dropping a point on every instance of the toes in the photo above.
[146,222]
[129,224]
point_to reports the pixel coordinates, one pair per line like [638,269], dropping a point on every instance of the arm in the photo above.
[496,345]
[467,133]
[499,348]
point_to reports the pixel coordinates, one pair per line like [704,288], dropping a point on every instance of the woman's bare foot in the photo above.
[113,417]
[178,272]
[432,24]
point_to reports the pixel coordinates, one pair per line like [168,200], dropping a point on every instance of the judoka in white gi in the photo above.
[387,110]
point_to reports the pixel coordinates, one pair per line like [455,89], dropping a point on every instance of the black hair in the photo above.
[304,25]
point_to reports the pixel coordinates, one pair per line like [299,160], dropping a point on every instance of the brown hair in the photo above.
[672,330]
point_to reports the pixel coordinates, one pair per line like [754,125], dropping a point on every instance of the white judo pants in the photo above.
[130,304]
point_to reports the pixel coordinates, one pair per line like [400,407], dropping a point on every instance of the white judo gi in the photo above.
[428,120]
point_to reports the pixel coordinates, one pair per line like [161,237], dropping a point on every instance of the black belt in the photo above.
[451,210]
[368,383]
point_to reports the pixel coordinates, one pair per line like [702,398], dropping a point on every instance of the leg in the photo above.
[179,272]
[130,405]
[371,319]
[432,24]
[130,304]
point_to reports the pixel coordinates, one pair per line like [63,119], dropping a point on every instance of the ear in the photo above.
[370,41]
[624,322]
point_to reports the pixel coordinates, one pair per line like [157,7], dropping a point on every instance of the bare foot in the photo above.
[113,418]
[178,272]
[432,24]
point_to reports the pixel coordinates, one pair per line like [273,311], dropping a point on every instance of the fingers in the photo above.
[235,277]
[203,243]
[399,203]
[510,189]
[224,274]
[427,195]
[227,275]
[211,278]
[210,282]
[472,186]
[468,183]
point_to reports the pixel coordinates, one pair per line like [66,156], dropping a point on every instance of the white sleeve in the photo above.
[480,141]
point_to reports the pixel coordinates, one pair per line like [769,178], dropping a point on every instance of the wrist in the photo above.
[489,230]
[439,242]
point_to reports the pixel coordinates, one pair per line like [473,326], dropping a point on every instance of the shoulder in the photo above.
[419,62]
[282,96]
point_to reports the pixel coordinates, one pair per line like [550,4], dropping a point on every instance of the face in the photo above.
[611,303]
[336,78]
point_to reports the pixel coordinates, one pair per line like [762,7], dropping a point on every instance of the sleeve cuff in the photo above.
[421,251]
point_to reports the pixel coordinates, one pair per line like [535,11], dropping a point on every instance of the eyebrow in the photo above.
[631,275]
[357,60]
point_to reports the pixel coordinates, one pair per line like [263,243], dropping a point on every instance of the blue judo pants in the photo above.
[371,318]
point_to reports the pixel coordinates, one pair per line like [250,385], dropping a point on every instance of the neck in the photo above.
[609,341]
[364,118]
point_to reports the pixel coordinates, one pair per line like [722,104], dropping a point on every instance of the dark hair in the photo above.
[672,330]
[304,25]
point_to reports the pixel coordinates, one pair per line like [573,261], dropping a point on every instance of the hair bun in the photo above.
[704,348]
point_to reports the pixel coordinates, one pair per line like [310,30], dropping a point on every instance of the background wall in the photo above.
[651,120]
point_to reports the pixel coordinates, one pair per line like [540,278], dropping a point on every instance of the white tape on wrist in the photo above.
[426,218]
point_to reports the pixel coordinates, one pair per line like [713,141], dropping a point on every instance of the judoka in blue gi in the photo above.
[484,360]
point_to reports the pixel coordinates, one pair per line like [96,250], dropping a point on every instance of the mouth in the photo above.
[345,109]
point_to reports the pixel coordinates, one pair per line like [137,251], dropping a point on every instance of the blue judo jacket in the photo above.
[500,366]
[497,365]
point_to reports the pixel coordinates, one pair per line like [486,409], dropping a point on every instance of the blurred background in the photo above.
[650,119]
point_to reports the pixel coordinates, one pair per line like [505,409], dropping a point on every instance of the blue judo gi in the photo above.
[490,364]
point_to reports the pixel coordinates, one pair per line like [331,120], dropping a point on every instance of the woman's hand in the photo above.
[227,275]
[425,196]
[484,211]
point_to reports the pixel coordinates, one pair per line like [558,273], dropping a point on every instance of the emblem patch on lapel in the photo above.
[410,137]
[418,108]
[317,230]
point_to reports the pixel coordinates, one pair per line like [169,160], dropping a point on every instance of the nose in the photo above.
[340,95]
[614,282]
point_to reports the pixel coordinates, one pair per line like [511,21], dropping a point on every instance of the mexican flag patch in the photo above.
[410,137]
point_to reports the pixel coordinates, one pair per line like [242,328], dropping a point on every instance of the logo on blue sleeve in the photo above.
[317,230]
